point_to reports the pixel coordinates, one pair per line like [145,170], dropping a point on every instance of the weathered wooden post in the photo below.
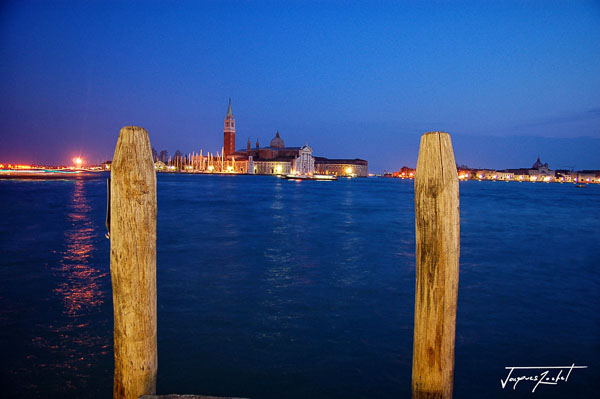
[438,251]
[133,264]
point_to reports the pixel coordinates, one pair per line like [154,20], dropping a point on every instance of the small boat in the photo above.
[310,177]
[580,185]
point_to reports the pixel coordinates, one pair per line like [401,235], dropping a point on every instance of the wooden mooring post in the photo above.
[133,264]
[437,227]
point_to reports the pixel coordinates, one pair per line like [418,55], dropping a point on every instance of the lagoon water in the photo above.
[269,288]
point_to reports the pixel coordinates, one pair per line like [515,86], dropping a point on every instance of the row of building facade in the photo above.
[274,159]
[539,172]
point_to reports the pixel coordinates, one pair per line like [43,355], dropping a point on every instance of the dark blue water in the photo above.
[269,288]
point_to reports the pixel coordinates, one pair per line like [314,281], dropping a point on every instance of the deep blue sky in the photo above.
[509,80]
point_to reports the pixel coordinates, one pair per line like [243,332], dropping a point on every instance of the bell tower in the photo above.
[229,133]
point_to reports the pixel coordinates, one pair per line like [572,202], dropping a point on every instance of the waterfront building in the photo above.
[541,172]
[537,172]
[486,174]
[404,173]
[520,175]
[565,176]
[588,176]
[504,175]
[279,159]
[342,167]
[464,173]
[276,159]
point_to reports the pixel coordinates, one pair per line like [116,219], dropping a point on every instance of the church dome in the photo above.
[277,141]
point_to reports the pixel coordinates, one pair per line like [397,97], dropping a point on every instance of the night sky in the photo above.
[508,80]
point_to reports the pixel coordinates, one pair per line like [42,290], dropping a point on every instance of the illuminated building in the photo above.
[342,167]
[277,159]
[537,172]
[229,133]
[588,176]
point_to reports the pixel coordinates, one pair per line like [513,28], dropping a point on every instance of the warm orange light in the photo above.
[77,161]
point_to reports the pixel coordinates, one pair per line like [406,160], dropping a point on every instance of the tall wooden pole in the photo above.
[133,264]
[438,251]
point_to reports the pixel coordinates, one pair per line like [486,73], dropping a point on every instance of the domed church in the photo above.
[277,159]
[277,141]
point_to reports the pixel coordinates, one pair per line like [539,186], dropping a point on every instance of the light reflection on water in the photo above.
[79,290]
[73,343]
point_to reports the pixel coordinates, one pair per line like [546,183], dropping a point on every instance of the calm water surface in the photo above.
[270,288]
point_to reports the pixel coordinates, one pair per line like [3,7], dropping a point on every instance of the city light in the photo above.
[77,161]
[348,170]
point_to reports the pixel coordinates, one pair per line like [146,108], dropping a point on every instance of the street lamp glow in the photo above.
[78,161]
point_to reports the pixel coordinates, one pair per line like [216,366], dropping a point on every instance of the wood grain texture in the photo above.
[133,264]
[438,251]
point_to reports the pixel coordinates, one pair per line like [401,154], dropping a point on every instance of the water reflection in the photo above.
[73,342]
[80,289]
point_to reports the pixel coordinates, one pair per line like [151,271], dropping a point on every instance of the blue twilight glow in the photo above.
[509,80]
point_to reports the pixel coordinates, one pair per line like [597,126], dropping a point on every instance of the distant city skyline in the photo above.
[509,81]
